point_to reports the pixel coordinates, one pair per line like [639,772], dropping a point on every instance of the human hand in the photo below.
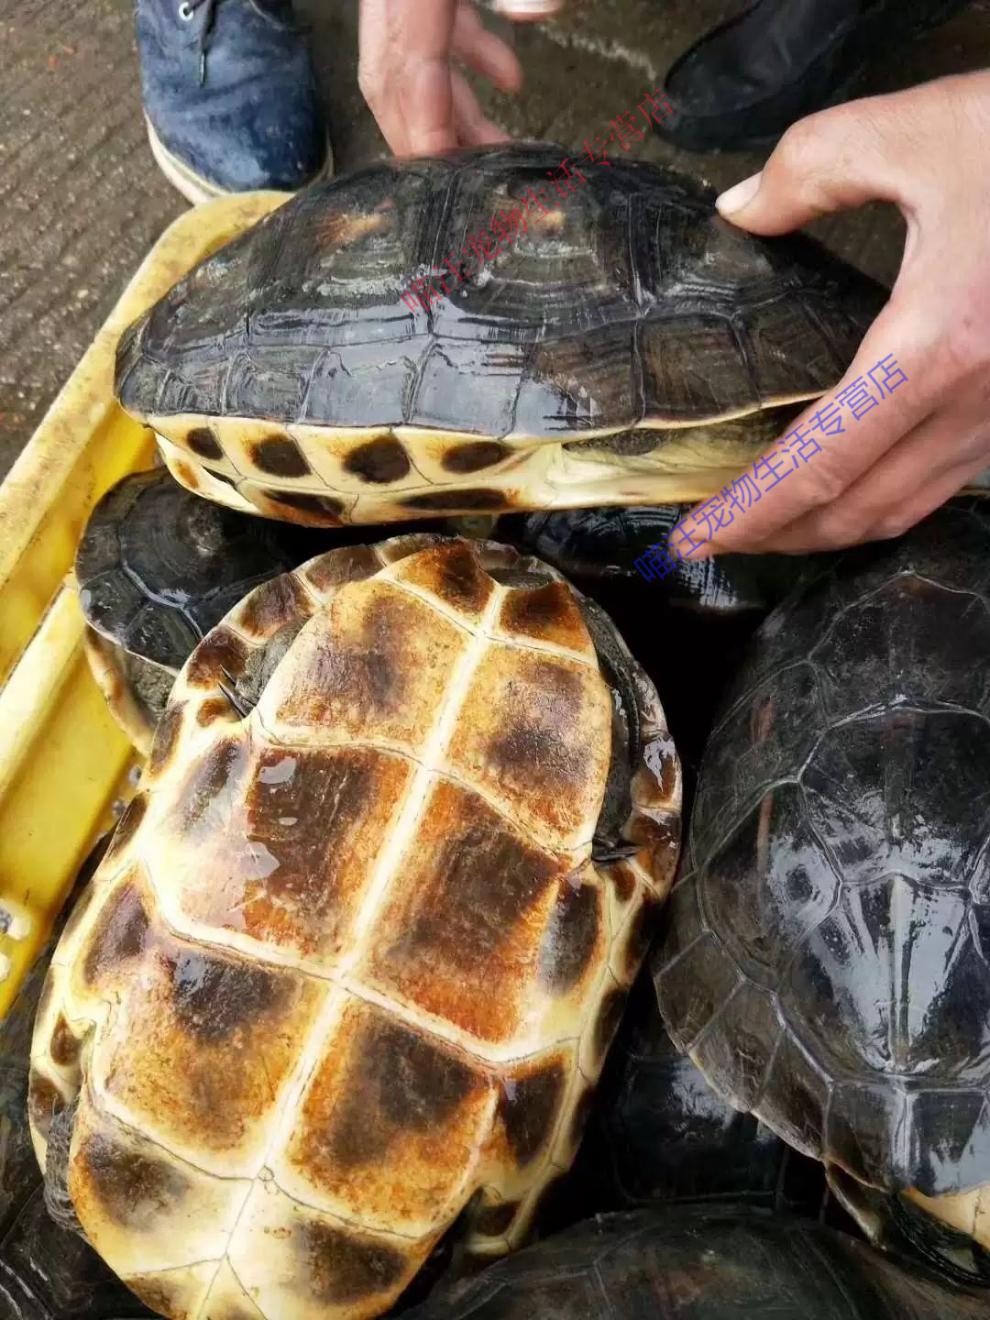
[928,151]
[406,70]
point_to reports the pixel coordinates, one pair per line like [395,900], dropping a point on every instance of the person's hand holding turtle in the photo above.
[928,151]
[409,76]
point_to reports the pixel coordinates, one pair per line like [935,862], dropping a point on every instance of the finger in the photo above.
[843,458]
[473,128]
[912,480]
[831,161]
[484,52]
[420,38]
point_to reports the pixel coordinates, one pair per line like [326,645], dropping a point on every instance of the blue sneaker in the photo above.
[230,96]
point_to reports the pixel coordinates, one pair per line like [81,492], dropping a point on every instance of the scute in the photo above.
[826,958]
[347,976]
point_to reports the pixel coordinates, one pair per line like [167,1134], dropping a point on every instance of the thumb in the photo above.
[830,161]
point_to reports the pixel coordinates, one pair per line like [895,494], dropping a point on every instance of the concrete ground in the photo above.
[81,200]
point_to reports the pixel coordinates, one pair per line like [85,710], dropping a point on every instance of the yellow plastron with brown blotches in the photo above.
[354,959]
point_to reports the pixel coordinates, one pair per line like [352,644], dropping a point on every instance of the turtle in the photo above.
[46,1272]
[824,960]
[702,1263]
[356,954]
[710,606]
[157,567]
[619,343]
[659,1135]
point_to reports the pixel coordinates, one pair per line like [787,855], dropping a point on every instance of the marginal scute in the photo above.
[219,658]
[494,1220]
[572,936]
[65,1045]
[463,500]
[136,809]
[338,1266]
[45,1101]
[118,936]
[548,614]
[279,456]
[272,606]
[132,1188]
[202,440]
[475,455]
[609,1015]
[380,461]
[452,573]
[528,1107]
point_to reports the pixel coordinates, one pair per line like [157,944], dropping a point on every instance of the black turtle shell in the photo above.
[620,298]
[826,958]
[701,1263]
[46,1273]
[659,1133]
[157,566]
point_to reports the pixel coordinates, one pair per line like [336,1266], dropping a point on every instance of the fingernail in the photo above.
[527,8]
[740,195]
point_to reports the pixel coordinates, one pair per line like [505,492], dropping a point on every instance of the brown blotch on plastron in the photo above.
[623,880]
[213,997]
[469,500]
[547,614]
[45,1101]
[166,740]
[128,824]
[272,606]
[217,772]
[338,1267]
[452,573]
[220,657]
[214,708]
[64,1047]
[495,1220]
[398,1082]
[279,456]
[527,1110]
[380,461]
[462,934]
[475,455]
[202,440]
[352,563]
[310,811]
[662,838]
[132,1189]
[572,936]
[324,510]
[370,672]
[119,935]
[158,1295]
[186,473]
[644,927]
[537,745]
[609,1015]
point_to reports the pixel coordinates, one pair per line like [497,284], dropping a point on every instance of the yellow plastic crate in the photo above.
[64,764]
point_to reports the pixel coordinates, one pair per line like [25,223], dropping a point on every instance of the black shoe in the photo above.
[747,81]
[230,96]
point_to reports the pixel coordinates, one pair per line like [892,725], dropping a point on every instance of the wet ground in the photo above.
[81,200]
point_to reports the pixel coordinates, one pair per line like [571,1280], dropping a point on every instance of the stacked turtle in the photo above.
[334,1007]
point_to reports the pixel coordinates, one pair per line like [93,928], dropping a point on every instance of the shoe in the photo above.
[230,96]
[748,80]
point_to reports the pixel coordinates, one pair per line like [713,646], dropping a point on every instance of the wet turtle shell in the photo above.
[688,630]
[46,1273]
[157,567]
[702,1263]
[659,1134]
[626,346]
[355,958]
[826,957]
